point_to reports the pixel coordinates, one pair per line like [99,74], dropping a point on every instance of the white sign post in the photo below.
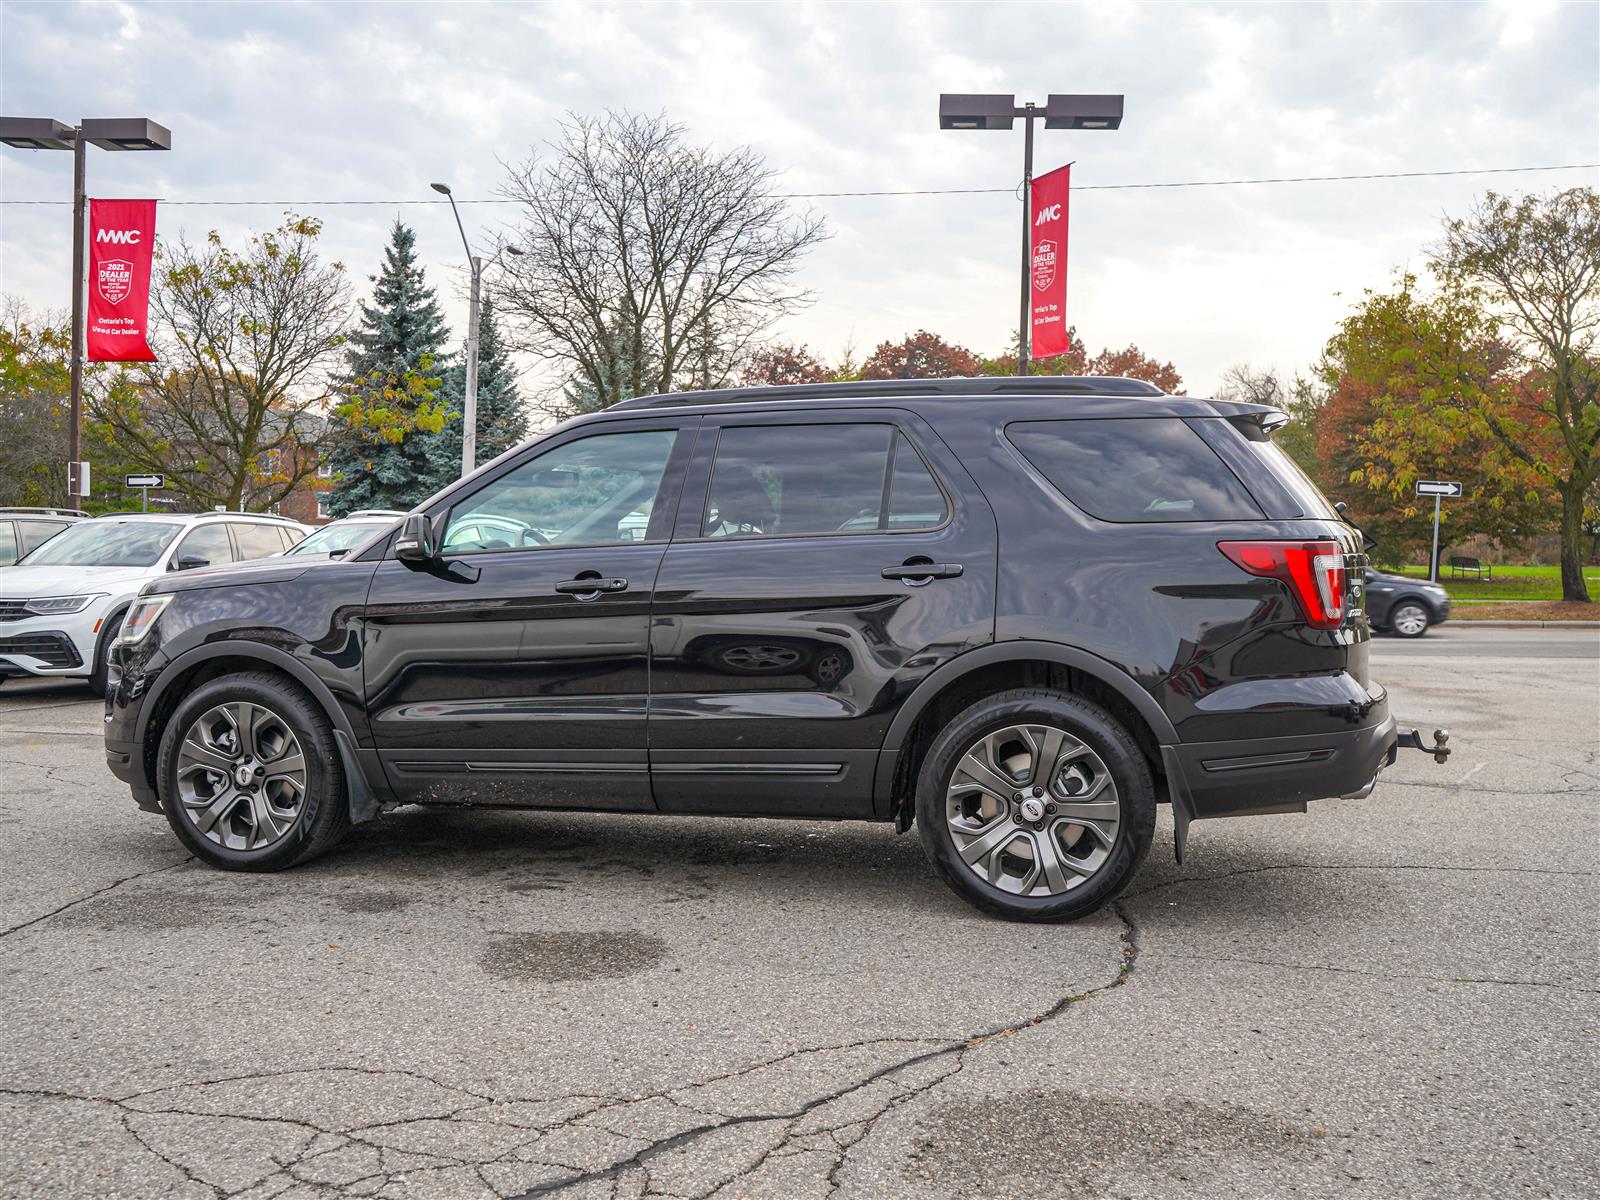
[144,482]
[1438,489]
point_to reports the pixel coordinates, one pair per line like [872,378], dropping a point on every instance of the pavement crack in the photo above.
[1289,966]
[1169,883]
[958,1049]
[94,895]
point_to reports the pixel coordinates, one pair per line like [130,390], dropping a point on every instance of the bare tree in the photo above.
[245,344]
[647,263]
[1245,383]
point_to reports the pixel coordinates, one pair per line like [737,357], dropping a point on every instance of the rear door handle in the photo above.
[915,573]
[588,589]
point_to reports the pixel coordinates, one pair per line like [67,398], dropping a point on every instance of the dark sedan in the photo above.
[1405,607]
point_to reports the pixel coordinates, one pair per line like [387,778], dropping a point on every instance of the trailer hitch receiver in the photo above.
[1412,740]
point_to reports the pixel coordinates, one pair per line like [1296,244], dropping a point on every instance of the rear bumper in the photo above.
[1261,775]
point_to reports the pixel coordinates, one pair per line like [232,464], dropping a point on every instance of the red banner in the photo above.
[1048,332]
[122,240]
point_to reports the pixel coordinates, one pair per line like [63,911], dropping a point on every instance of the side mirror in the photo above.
[414,542]
[188,562]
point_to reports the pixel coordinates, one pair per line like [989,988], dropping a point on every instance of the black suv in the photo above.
[1018,613]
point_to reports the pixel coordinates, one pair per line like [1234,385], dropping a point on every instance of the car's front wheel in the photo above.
[249,774]
[1035,805]
[1409,619]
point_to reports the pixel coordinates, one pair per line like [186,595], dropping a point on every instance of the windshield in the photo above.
[341,536]
[106,543]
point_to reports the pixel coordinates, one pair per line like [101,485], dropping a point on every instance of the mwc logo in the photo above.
[121,237]
[1046,215]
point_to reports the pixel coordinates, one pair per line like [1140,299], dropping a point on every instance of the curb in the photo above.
[1526,624]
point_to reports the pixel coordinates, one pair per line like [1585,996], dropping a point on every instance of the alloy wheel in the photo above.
[1033,811]
[241,776]
[1409,620]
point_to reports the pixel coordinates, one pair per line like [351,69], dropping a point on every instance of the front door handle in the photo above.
[588,586]
[917,573]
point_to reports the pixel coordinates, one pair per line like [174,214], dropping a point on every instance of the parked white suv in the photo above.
[63,603]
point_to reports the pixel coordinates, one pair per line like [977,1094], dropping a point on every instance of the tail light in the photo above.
[1316,573]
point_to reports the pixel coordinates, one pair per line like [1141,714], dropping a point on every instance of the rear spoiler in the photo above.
[1256,421]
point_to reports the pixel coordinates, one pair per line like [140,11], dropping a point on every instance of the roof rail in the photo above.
[43,512]
[1023,385]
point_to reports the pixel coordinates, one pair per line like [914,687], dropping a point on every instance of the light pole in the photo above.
[469,417]
[109,133]
[963,111]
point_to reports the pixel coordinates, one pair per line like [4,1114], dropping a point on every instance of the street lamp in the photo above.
[469,418]
[998,112]
[109,133]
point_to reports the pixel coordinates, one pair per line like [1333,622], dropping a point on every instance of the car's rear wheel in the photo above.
[1035,805]
[1409,619]
[249,774]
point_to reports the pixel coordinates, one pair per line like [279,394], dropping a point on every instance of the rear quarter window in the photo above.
[1134,469]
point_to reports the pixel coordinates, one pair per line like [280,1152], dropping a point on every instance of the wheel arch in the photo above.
[204,663]
[998,667]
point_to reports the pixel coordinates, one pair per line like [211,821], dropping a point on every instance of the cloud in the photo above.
[321,102]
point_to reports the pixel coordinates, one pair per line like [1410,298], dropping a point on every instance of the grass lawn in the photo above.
[1509,583]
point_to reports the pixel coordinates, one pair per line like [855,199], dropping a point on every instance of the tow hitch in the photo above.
[1413,741]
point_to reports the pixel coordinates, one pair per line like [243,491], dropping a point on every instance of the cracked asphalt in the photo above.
[1392,996]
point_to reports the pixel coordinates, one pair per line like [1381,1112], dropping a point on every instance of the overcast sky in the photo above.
[311,103]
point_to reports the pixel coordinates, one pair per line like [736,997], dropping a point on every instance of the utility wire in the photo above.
[1010,191]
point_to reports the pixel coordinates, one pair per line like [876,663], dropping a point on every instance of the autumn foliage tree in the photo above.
[781,363]
[246,338]
[1406,381]
[1530,270]
[923,355]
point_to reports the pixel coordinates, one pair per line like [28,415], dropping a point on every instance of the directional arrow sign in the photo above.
[144,481]
[1436,487]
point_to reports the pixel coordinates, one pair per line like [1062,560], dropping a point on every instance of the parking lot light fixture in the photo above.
[469,415]
[109,133]
[960,110]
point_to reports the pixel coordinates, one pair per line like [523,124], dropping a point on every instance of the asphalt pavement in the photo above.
[1394,996]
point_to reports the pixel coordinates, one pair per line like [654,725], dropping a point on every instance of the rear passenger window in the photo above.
[257,541]
[789,480]
[32,534]
[206,543]
[1134,469]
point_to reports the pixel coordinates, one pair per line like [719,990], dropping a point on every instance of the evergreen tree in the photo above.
[502,423]
[388,442]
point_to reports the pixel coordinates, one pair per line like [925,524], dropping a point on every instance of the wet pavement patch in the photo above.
[1093,1140]
[575,955]
[374,902]
[148,910]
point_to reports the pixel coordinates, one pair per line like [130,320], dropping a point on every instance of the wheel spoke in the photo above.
[1046,743]
[999,832]
[1049,859]
[213,811]
[266,825]
[290,764]
[195,752]
[244,722]
[984,774]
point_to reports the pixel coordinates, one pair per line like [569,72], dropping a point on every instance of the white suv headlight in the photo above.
[55,606]
[141,618]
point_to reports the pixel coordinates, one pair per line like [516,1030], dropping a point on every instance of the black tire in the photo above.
[100,668]
[324,816]
[1089,724]
[1406,607]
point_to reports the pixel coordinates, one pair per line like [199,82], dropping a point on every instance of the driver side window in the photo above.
[592,491]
